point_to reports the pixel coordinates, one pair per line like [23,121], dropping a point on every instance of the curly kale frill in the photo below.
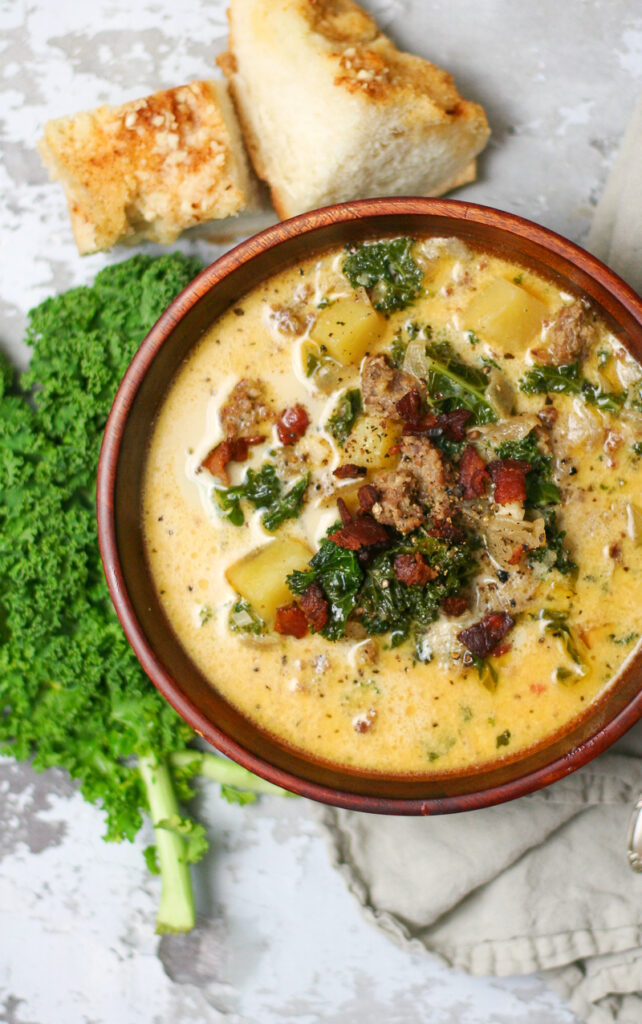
[71,691]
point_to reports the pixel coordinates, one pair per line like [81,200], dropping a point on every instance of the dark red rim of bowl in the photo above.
[520,231]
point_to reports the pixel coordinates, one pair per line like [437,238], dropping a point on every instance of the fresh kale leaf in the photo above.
[567,380]
[338,573]
[263,489]
[237,796]
[72,694]
[540,488]
[387,270]
[454,384]
[347,410]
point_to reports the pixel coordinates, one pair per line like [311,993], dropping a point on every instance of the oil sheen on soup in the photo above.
[392,506]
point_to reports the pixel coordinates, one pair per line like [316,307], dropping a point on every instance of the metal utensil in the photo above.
[634,842]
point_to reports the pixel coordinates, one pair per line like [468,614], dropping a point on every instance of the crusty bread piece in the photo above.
[331,110]
[151,167]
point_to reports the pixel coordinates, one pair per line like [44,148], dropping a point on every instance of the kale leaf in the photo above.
[72,694]
[554,555]
[287,506]
[387,270]
[263,489]
[540,488]
[541,493]
[454,384]
[347,410]
[338,573]
[567,380]
[386,605]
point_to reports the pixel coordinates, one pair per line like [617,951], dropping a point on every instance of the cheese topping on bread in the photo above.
[150,168]
[331,110]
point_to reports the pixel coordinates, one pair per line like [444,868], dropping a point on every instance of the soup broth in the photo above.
[392,506]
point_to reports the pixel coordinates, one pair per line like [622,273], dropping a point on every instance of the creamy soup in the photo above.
[393,506]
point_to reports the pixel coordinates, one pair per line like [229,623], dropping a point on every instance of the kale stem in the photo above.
[176,911]
[219,769]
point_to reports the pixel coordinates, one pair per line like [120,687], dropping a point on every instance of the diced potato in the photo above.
[369,442]
[347,328]
[505,315]
[260,577]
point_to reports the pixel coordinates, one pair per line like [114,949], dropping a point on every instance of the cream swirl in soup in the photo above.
[393,506]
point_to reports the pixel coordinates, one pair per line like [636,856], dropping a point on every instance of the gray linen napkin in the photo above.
[542,883]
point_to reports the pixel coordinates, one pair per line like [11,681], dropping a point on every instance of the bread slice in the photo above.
[151,167]
[331,110]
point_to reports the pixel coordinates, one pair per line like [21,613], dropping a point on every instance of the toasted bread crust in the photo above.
[149,168]
[355,79]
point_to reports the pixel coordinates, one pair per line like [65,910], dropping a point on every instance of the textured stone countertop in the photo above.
[279,938]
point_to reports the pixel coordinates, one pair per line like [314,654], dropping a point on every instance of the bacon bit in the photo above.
[482,637]
[292,424]
[315,607]
[344,512]
[455,605]
[538,688]
[503,649]
[473,474]
[360,533]
[445,529]
[409,407]
[230,450]
[615,551]
[363,723]
[349,471]
[517,555]
[411,569]
[368,496]
[291,621]
[509,478]
[454,423]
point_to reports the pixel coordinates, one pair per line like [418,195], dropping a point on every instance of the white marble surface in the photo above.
[279,937]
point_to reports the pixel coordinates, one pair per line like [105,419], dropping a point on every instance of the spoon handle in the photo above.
[634,842]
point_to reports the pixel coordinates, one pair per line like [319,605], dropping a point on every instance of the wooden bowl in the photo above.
[120,476]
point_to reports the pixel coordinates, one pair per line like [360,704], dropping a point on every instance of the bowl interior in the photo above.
[121,475]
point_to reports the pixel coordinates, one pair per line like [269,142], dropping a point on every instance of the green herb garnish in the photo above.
[387,271]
